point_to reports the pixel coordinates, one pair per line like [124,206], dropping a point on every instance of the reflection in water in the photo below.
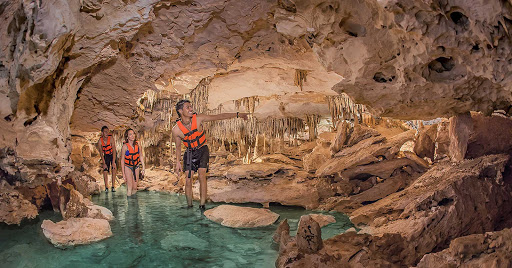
[133,223]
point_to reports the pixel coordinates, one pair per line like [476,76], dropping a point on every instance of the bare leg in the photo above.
[114,173]
[129,180]
[202,185]
[188,188]
[134,185]
[105,178]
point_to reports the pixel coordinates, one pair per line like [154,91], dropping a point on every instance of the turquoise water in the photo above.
[155,230]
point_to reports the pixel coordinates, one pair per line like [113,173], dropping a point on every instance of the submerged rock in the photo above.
[183,239]
[241,217]
[76,231]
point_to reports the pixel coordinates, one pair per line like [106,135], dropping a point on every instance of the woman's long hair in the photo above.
[126,136]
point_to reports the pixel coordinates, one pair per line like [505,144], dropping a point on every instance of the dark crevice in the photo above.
[445,202]
[442,64]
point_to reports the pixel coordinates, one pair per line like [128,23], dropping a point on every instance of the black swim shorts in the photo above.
[200,159]
[108,161]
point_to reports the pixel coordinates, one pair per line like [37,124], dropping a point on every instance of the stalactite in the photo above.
[342,107]
[199,95]
[312,121]
[300,77]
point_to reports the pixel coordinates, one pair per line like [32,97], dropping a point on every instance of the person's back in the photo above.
[108,156]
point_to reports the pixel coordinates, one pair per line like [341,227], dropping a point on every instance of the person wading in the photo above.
[108,156]
[131,160]
[189,130]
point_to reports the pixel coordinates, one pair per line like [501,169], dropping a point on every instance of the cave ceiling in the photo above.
[403,59]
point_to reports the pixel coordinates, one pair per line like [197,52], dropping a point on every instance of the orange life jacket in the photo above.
[193,138]
[107,148]
[132,156]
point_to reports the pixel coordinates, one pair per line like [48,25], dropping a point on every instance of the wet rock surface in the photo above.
[76,231]
[241,217]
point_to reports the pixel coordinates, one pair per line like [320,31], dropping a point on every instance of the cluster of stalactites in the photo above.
[248,103]
[344,108]
[152,102]
[300,78]
[238,130]
[312,121]
[199,95]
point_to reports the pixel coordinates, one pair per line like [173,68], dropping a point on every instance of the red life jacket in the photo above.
[132,156]
[107,148]
[193,138]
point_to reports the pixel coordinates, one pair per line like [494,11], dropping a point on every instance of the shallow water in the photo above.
[155,230]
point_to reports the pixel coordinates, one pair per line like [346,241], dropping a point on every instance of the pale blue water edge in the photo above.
[155,230]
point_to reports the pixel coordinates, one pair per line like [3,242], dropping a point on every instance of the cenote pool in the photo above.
[155,230]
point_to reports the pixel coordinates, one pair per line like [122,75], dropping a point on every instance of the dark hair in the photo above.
[103,128]
[179,105]
[126,135]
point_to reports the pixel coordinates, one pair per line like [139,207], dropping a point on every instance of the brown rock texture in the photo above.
[492,249]
[444,203]
[76,231]
[322,219]
[13,207]
[309,235]
[241,217]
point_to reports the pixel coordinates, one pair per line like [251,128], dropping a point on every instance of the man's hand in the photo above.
[177,169]
[244,116]
[104,166]
[114,165]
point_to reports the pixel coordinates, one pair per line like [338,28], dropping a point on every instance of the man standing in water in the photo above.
[189,130]
[108,156]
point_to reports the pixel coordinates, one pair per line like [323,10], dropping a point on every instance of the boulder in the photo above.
[341,136]
[425,141]
[76,207]
[309,235]
[254,170]
[76,231]
[241,217]
[322,219]
[461,127]
[317,157]
[282,232]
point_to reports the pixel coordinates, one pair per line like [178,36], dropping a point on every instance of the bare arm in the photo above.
[142,160]
[212,117]
[114,153]
[100,150]
[123,149]
[177,141]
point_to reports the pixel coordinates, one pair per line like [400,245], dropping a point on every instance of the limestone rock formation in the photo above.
[255,170]
[309,235]
[282,233]
[478,250]
[241,217]
[76,231]
[439,206]
[13,207]
[322,219]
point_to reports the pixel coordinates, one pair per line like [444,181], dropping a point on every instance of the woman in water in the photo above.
[130,163]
